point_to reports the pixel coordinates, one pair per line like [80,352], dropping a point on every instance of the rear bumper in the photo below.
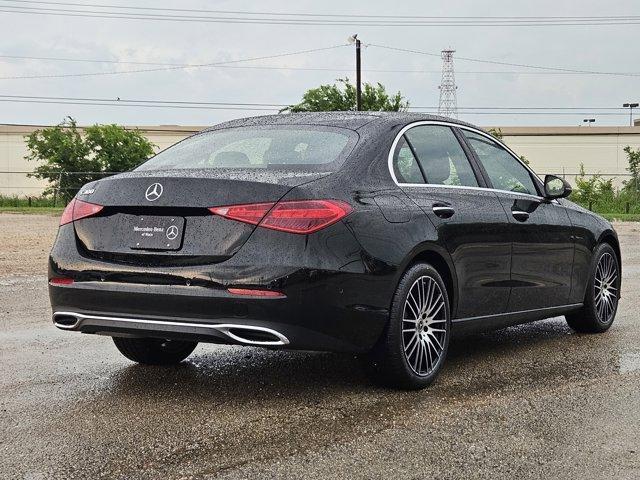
[332,301]
[201,314]
[303,321]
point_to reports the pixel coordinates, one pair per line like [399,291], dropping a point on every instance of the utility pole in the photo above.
[448,105]
[630,106]
[358,75]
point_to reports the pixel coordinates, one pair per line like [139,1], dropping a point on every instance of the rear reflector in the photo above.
[61,281]
[255,293]
[303,216]
[78,209]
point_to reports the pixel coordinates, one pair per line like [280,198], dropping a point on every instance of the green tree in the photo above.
[633,156]
[588,190]
[341,96]
[70,158]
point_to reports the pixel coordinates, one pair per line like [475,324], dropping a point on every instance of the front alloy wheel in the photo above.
[414,345]
[602,293]
[605,287]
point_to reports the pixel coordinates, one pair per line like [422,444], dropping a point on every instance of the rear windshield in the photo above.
[299,147]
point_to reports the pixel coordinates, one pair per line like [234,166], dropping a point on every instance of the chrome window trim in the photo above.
[462,127]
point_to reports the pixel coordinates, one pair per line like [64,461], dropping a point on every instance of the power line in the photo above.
[510,64]
[124,100]
[175,67]
[291,67]
[305,14]
[484,110]
[272,19]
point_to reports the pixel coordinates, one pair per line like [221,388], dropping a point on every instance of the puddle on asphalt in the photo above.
[629,362]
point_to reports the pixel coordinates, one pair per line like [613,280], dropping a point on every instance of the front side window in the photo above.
[441,157]
[504,171]
[303,147]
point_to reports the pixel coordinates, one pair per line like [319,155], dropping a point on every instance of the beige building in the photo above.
[549,150]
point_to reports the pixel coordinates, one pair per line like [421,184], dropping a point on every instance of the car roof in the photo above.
[351,119]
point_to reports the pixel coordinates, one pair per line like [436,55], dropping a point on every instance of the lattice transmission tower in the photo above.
[448,106]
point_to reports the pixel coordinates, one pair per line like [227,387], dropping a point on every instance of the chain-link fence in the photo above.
[21,189]
[600,192]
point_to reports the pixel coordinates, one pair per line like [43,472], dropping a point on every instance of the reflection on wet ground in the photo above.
[534,401]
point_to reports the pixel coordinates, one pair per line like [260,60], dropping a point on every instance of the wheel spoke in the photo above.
[415,311]
[436,340]
[430,362]
[435,312]
[411,342]
[434,304]
[418,364]
[431,294]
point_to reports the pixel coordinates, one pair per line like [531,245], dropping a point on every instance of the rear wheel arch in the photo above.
[443,266]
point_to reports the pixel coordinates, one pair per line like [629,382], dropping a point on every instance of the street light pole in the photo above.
[358,75]
[630,106]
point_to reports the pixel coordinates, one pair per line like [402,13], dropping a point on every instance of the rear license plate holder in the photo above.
[156,232]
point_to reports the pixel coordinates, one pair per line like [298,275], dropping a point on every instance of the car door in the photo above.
[540,229]
[430,164]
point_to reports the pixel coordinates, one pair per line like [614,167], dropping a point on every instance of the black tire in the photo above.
[393,366]
[593,317]
[154,351]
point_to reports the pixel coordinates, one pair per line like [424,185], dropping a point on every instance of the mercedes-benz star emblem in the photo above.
[154,192]
[172,232]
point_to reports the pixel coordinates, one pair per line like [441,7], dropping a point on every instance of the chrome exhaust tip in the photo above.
[66,320]
[251,335]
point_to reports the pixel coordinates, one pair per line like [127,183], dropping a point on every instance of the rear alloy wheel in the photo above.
[415,342]
[601,297]
[154,351]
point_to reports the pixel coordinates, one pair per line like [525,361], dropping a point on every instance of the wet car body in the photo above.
[336,284]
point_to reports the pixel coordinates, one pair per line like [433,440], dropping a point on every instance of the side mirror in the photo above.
[556,187]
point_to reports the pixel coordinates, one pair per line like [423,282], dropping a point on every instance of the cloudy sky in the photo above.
[78,30]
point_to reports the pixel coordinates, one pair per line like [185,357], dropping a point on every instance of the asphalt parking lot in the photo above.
[535,401]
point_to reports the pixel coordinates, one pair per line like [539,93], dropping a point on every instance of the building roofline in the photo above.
[10,128]
[158,129]
[566,130]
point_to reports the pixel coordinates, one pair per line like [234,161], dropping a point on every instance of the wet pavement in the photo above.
[535,401]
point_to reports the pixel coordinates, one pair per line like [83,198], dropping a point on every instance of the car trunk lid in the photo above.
[163,218]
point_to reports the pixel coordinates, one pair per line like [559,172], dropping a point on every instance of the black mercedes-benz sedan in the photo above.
[363,232]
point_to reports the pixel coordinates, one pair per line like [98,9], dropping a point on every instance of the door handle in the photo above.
[520,215]
[443,211]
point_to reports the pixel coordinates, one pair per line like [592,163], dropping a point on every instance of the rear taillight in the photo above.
[78,209]
[301,216]
[252,213]
[61,281]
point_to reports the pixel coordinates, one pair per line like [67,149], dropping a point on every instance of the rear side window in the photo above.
[441,157]
[300,147]
[405,164]
[504,171]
